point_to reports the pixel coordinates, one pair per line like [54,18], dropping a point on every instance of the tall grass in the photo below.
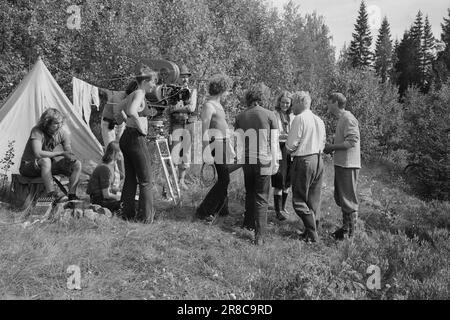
[175,258]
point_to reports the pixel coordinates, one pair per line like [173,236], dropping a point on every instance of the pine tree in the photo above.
[383,51]
[359,51]
[405,71]
[445,36]
[444,56]
[416,56]
[393,72]
[441,66]
[427,56]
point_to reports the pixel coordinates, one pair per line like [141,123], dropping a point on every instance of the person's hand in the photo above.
[328,149]
[275,167]
[283,137]
[68,155]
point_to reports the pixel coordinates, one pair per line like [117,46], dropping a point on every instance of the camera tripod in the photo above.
[167,164]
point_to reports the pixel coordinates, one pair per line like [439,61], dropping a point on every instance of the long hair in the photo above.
[48,117]
[284,115]
[284,94]
[111,153]
[132,86]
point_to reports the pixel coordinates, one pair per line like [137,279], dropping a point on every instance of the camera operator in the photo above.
[183,116]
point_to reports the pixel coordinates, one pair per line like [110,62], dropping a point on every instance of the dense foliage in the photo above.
[427,127]
[250,42]
[244,39]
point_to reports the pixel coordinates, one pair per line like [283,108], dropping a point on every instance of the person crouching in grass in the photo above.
[100,186]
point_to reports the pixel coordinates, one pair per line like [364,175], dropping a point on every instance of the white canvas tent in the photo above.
[21,112]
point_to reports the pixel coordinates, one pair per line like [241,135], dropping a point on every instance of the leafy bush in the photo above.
[427,127]
[376,108]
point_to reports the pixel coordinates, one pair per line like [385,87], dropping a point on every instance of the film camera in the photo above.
[169,94]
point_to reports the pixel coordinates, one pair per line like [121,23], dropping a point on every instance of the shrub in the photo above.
[426,122]
[376,108]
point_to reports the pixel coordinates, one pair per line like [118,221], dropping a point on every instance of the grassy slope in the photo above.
[178,259]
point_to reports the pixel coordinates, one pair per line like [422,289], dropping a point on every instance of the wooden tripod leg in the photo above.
[167,175]
[163,159]
[175,178]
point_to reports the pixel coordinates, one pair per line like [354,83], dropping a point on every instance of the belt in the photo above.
[308,155]
[312,154]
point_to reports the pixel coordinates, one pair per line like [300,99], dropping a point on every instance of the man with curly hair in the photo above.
[40,159]
[215,133]
[261,157]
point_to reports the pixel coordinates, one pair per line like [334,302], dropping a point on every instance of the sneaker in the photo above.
[73,197]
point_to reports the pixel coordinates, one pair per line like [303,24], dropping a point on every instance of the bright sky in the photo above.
[340,15]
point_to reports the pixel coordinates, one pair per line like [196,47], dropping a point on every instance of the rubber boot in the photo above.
[351,217]
[283,209]
[277,204]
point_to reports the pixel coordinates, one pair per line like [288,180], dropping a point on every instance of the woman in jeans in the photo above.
[135,150]
[281,181]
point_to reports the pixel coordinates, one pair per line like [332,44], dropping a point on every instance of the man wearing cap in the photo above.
[305,143]
[183,116]
[347,163]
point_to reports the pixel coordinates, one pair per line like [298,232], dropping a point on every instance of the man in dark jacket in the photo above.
[257,129]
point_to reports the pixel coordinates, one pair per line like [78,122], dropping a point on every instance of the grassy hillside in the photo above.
[175,258]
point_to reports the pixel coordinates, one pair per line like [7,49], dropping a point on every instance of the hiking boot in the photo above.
[340,234]
[280,216]
[248,227]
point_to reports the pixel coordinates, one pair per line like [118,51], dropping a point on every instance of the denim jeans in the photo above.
[257,189]
[138,170]
[217,198]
